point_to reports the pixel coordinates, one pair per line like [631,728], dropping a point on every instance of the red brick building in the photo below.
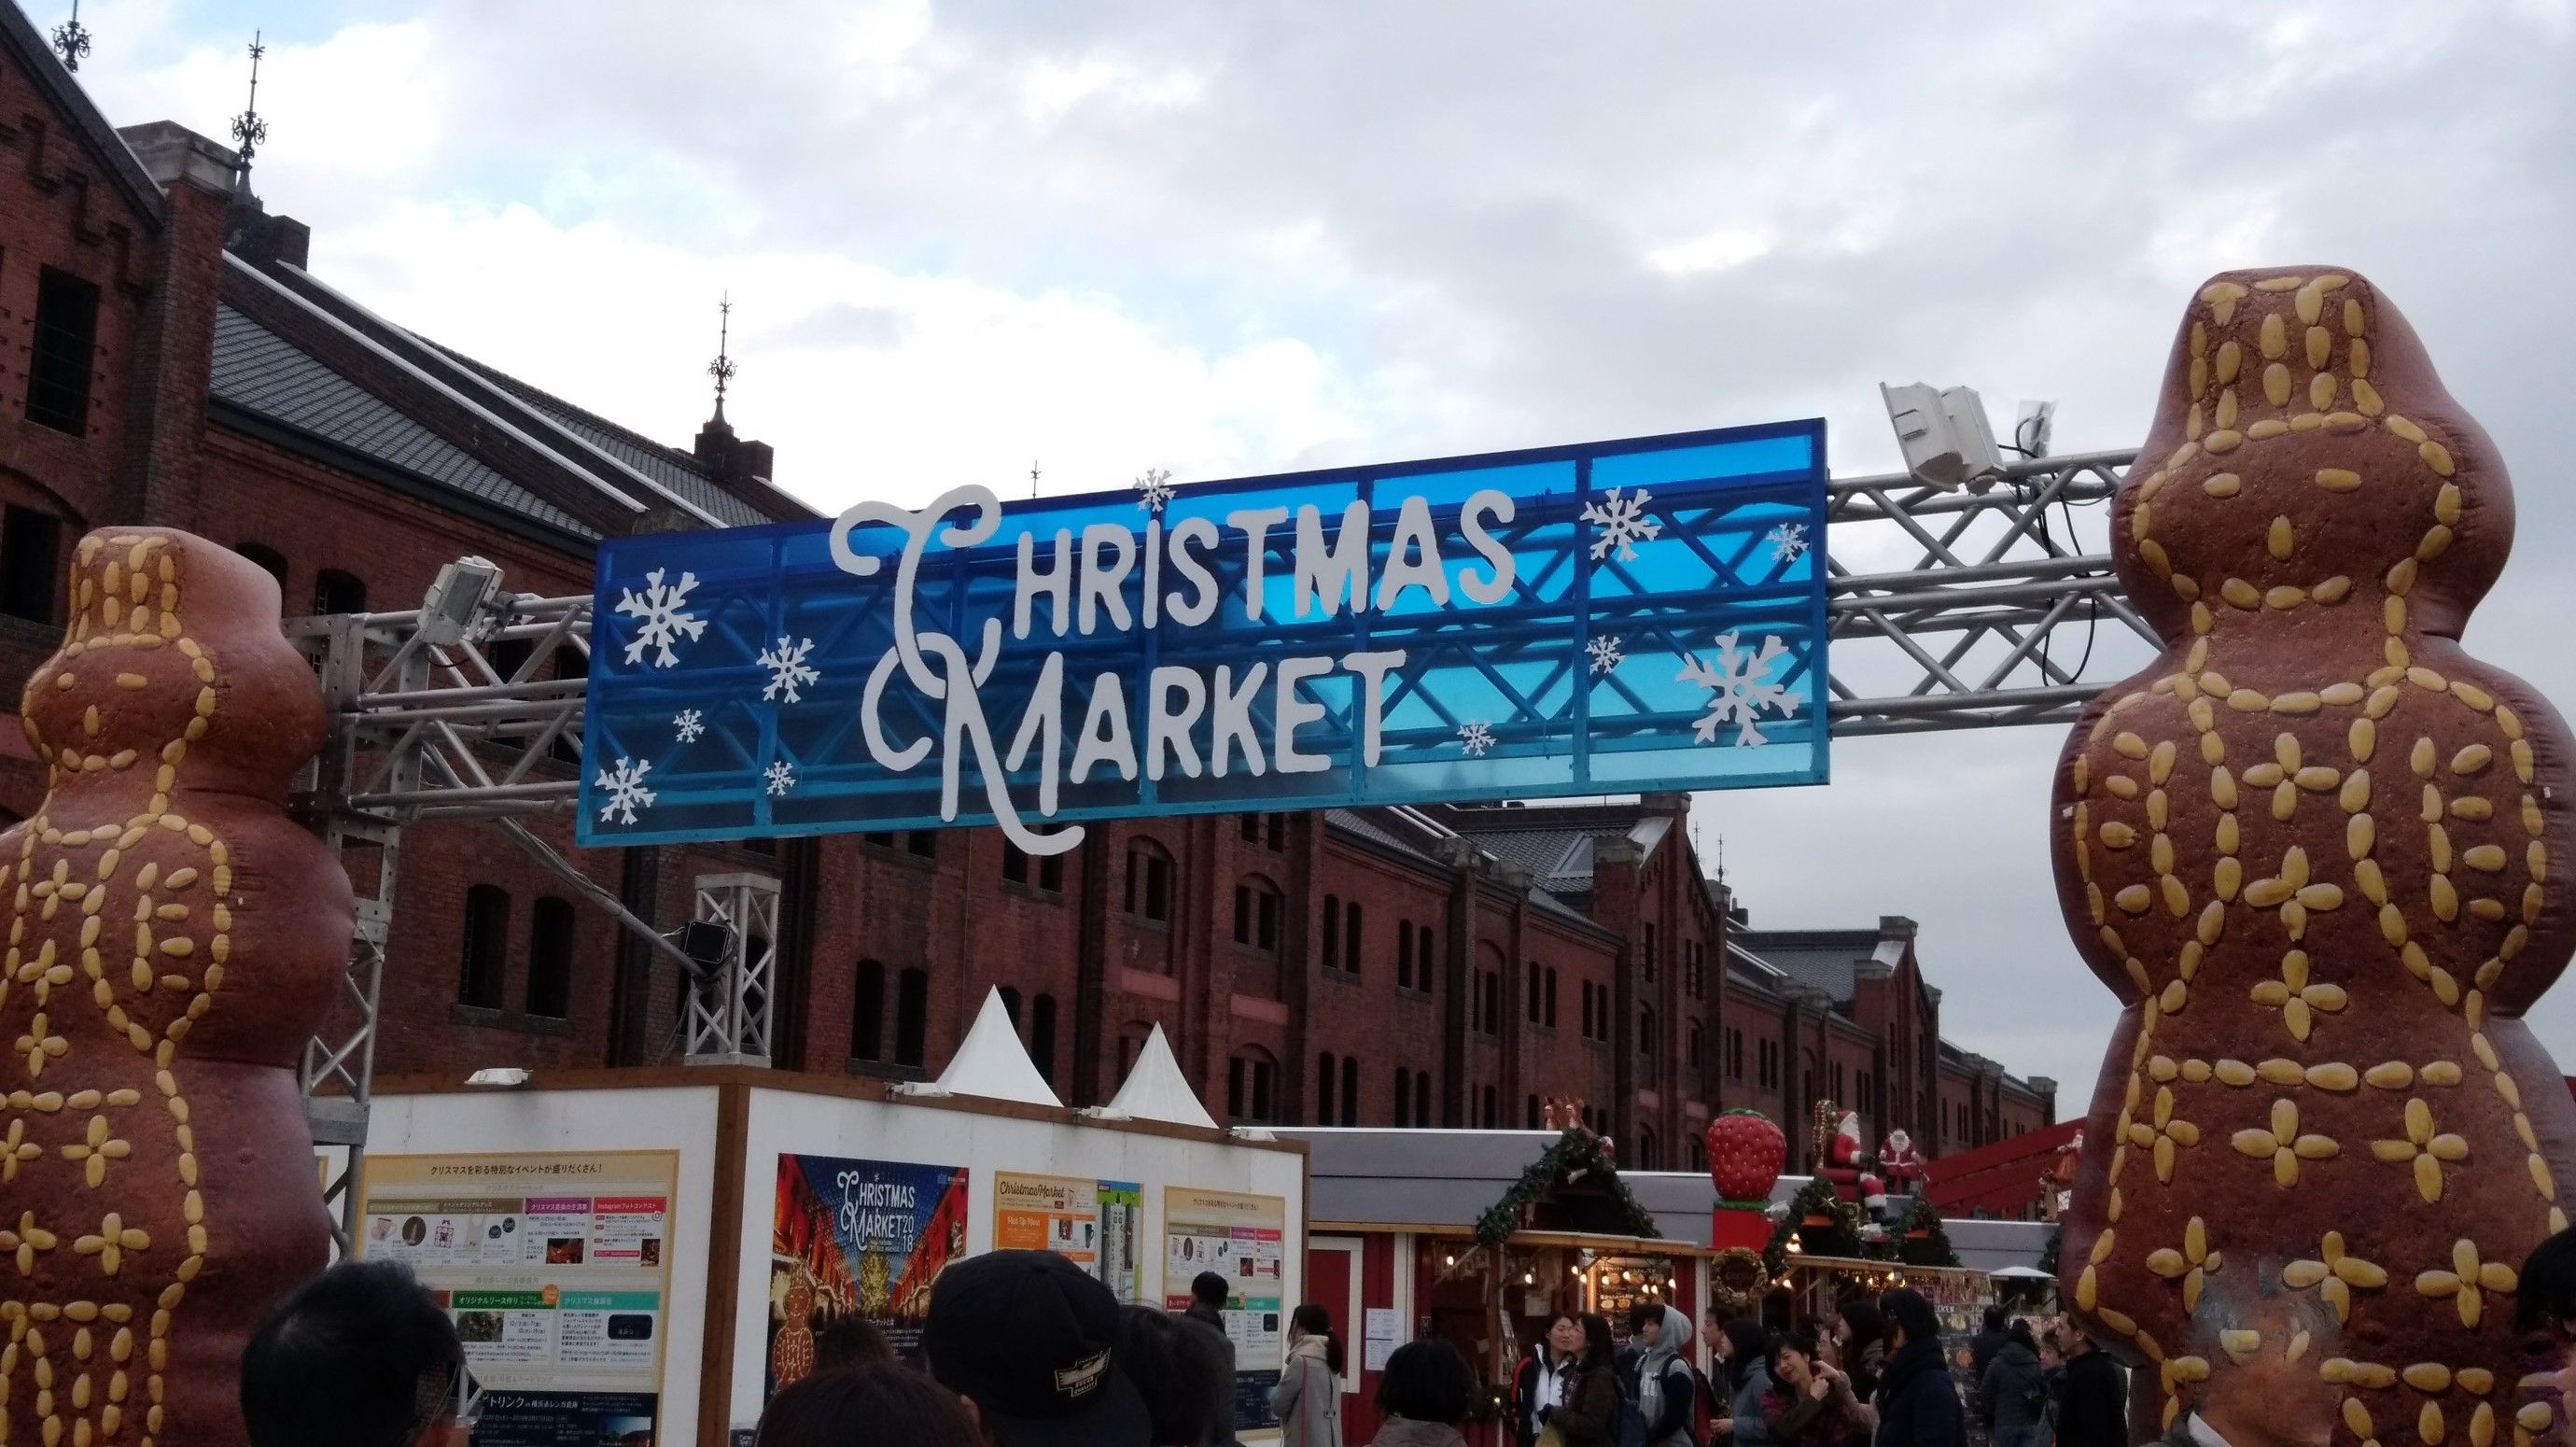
[176,363]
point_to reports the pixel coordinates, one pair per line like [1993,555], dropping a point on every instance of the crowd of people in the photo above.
[1025,1349]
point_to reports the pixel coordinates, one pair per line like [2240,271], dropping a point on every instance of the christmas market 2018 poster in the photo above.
[856,1241]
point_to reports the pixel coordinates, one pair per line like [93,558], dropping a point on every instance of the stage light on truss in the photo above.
[456,600]
[1945,436]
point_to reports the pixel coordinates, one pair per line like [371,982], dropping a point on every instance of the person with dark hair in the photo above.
[1660,1386]
[1174,1367]
[1543,1375]
[2544,1318]
[1308,1399]
[1917,1406]
[1209,1293]
[1589,1414]
[1809,1403]
[1863,1334]
[2093,1400]
[2013,1393]
[1748,1376]
[1424,1393]
[359,1356]
[1030,1340]
[850,1341]
[1988,1340]
[882,1401]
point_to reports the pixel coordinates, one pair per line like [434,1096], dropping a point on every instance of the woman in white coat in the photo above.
[1308,1399]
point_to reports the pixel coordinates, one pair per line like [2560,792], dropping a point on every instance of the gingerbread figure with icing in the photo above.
[173,940]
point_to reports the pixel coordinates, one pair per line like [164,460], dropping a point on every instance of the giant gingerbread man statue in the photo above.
[173,940]
[2312,848]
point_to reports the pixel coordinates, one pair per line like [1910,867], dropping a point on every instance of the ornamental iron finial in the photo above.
[71,40]
[722,368]
[248,129]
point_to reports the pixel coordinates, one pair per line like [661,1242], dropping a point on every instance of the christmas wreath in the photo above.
[1577,1154]
[1737,1279]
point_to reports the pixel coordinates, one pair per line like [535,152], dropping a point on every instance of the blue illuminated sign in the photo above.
[1633,615]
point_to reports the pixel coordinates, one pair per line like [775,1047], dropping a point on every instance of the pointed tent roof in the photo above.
[991,1063]
[1156,1089]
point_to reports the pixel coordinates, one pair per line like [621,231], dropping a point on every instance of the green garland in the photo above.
[1576,1150]
[1933,1249]
[1841,1237]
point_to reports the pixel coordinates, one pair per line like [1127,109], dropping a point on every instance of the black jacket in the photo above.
[1201,1317]
[1981,1352]
[1917,1406]
[2093,1404]
[2014,1389]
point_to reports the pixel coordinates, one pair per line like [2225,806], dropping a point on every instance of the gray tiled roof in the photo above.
[262,373]
[1822,958]
[673,469]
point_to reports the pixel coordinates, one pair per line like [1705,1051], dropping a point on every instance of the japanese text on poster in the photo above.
[556,1268]
[1242,1238]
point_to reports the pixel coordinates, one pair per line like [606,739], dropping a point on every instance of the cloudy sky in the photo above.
[965,239]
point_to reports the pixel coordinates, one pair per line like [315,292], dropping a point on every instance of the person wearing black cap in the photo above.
[1030,1341]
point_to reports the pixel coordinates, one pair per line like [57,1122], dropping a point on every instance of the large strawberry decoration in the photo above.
[1745,1153]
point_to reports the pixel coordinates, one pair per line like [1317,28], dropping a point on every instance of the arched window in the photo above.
[1646,1150]
[1535,979]
[1351,937]
[487,947]
[1257,906]
[267,557]
[1251,1084]
[867,1012]
[1491,1120]
[911,1016]
[1131,1043]
[1532,1104]
[1011,1005]
[1350,1090]
[1149,881]
[1698,1151]
[1694,1045]
[1493,1002]
[1404,954]
[1422,1097]
[31,545]
[1403,1096]
[338,592]
[550,958]
[1646,1033]
[1042,1036]
[1332,931]
[1550,1021]
[1325,1080]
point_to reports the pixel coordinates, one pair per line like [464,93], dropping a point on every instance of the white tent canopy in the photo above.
[991,1063]
[1156,1089]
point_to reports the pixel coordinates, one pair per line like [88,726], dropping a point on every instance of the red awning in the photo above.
[2003,1178]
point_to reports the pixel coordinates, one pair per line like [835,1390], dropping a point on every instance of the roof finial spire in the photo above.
[722,368]
[248,128]
[71,40]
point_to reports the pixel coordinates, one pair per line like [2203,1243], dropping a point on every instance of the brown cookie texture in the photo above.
[174,938]
[2311,849]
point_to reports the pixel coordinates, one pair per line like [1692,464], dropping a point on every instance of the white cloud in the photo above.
[1723,249]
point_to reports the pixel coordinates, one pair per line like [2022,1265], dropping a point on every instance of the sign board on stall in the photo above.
[1243,1238]
[1090,1223]
[856,1240]
[556,1269]
[1647,613]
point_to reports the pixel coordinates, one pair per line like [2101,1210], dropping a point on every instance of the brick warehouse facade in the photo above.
[176,363]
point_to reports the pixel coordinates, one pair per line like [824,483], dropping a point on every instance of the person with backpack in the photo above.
[1542,1377]
[2013,1395]
[1663,1391]
[1308,1399]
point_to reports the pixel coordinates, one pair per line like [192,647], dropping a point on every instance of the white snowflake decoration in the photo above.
[1607,652]
[787,668]
[781,777]
[1623,523]
[1787,541]
[1739,687]
[1476,739]
[1154,488]
[626,791]
[689,723]
[663,620]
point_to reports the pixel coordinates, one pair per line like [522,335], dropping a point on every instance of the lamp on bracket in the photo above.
[1945,436]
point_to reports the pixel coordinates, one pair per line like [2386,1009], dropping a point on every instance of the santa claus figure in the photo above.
[1900,1161]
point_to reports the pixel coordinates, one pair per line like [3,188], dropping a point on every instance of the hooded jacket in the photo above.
[1666,1391]
[2014,1390]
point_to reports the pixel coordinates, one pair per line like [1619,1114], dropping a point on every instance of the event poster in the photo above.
[856,1241]
[556,1268]
[1242,1238]
[1093,1224]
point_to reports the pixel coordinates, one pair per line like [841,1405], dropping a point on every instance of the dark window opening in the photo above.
[1251,827]
[1042,1036]
[1149,882]
[1332,932]
[274,562]
[1325,1080]
[1015,863]
[1404,954]
[30,551]
[922,843]
[58,362]
[1350,1090]
[1491,1120]
[1422,1098]
[1532,1105]
[338,592]
[867,1012]
[487,946]
[1250,1081]
[1011,1005]
[1278,831]
[911,1017]
[1351,937]
[1551,997]
[550,958]
[1256,916]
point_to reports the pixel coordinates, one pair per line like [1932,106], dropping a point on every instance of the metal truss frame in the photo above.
[436,714]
